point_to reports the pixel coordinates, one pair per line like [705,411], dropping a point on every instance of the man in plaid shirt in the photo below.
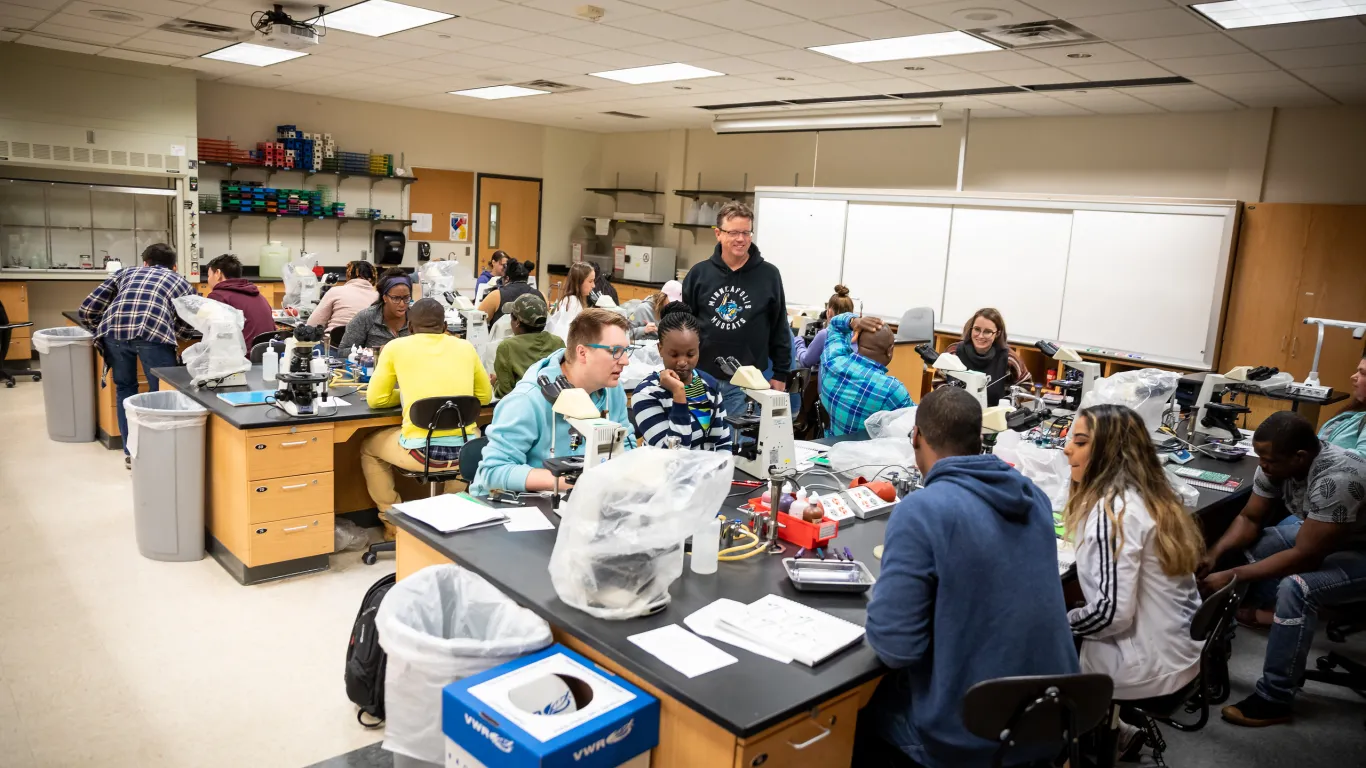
[133,319]
[856,384]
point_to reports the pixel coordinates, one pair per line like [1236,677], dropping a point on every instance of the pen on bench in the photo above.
[747,483]
[800,552]
[849,554]
[820,553]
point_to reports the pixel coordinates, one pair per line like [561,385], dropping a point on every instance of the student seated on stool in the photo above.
[680,401]
[1313,559]
[427,363]
[969,591]
[529,343]
[855,384]
[594,356]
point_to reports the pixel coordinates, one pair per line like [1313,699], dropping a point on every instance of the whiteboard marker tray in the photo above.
[828,575]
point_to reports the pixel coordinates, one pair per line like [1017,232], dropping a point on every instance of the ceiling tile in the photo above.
[666,26]
[1182,98]
[735,44]
[457,7]
[463,60]
[606,37]
[835,91]
[1307,98]
[10,10]
[883,24]
[150,45]
[393,50]
[507,53]
[673,52]
[824,9]
[732,65]
[664,5]
[146,58]
[1217,65]
[1068,9]
[148,19]
[951,14]
[82,35]
[63,45]
[1143,24]
[892,85]
[49,5]
[608,60]
[1129,70]
[515,73]
[805,34]
[438,40]
[234,19]
[167,8]
[785,78]
[1329,56]
[1046,107]
[736,14]
[1308,34]
[17,23]
[1335,76]
[554,46]
[477,30]
[1097,53]
[843,73]
[794,59]
[1106,102]
[1184,46]
[991,62]
[364,56]
[6,37]
[915,67]
[958,82]
[995,113]
[1248,82]
[530,19]
[1354,93]
[615,9]
[324,87]
[1038,76]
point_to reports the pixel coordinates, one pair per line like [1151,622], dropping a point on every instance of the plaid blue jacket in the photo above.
[852,386]
[136,304]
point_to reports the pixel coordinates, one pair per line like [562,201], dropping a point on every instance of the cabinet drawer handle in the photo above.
[294,444]
[1295,346]
[824,732]
[294,487]
[1284,338]
[295,528]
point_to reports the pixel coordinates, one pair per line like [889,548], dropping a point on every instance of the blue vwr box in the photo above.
[550,709]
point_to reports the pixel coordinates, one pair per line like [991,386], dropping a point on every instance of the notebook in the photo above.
[806,634]
[449,513]
[254,397]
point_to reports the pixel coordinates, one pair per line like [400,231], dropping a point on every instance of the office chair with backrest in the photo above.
[6,330]
[1047,713]
[916,325]
[262,338]
[258,351]
[334,337]
[1334,668]
[435,414]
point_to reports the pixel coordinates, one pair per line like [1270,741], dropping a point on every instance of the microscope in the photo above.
[764,441]
[1078,376]
[600,438]
[476,327]
[955,373]
[1213,417]
[303,387]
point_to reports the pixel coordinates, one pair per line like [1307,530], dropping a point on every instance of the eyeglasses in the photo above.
[399,299]
[737,234]
[618,353]
[983,332]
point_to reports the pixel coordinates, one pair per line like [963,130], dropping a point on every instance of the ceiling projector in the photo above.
[277,29]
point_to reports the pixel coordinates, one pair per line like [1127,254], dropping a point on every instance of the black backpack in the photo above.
[365,659]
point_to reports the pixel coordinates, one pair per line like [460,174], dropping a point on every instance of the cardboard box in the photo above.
[567,712]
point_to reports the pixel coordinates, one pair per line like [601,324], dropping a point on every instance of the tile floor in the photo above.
[109,659]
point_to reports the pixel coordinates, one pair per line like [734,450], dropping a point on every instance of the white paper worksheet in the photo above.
[682,650]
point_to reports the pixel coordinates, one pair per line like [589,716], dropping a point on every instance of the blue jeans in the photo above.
[123,357]
[1297,600]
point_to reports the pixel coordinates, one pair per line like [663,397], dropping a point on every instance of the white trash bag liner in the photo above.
[896,423]
[620,543]
[1048,469]
[160,410]
[859,457]
[1146,391]
[49,339]
[440,625]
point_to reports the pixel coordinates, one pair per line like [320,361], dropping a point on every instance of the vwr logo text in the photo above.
[600,744]
[501,742]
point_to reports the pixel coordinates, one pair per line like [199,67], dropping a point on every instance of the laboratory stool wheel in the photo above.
[37,377]
[368,558]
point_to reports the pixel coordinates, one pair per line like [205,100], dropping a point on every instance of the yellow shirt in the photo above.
[427,365]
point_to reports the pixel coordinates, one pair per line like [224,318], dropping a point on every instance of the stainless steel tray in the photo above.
[811,575]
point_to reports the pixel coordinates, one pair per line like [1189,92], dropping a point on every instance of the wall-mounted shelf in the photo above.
[271,171]
[625,221]
[616,190]
[271,217]
[696,193]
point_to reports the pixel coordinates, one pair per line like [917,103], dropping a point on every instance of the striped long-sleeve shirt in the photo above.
[700,424]
[136,304]
[852,386]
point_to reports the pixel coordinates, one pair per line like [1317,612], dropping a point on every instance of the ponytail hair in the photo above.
[361,270]
[518,271]
[840,303]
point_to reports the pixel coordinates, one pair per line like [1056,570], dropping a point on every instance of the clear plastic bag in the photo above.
[1047,468]
[643,362]
[620,543]
[855,456]
[221,351]
[896,423]
[1190,497]
[440,625]
[1146,390]
[347,536]
[49,339]
[302,289]
[160,410]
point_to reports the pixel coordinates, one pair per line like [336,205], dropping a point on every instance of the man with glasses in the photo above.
[594,356]
[739,299]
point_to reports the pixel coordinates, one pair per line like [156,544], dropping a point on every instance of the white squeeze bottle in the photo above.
[706,544]
[270,365]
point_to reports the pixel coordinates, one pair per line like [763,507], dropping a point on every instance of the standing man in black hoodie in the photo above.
[739,299]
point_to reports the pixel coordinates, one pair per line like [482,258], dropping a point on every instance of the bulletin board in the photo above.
[439,194]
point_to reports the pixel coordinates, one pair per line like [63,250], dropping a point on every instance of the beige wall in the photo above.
[565,160]
[1317,156]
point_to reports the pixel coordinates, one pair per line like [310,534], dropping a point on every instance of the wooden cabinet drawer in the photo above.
[283,497]
[282,453]
[825,739]
[290,539]
[19,349]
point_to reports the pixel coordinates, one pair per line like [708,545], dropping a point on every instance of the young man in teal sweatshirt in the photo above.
[594,356]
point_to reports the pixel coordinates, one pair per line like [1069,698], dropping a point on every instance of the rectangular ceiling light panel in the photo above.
[499,92]
[252,54]
[378,18]
[780,123]
[913,47]
[659,73]
[1239,14]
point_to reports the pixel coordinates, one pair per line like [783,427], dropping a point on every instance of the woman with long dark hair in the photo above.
[984,348]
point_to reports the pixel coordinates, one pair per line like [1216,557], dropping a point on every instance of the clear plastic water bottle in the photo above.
[706,545]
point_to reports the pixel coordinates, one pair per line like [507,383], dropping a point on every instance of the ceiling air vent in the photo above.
[204,29]
[1035,34]
[101,157]
[552,86]
[61,154]
[615,113]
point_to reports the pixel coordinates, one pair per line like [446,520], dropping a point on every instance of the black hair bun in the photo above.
[674,307]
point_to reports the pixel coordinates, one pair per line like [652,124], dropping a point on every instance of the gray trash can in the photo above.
[68,362]
[166,433]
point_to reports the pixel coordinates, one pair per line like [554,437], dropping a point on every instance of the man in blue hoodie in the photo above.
[594,356]
[969,591]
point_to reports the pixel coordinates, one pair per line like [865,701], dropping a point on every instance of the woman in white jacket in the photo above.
[1137,550]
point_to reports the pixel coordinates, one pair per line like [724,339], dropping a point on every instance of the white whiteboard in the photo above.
[1141,282]
[895,256]
[805,240]
[1012,259]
